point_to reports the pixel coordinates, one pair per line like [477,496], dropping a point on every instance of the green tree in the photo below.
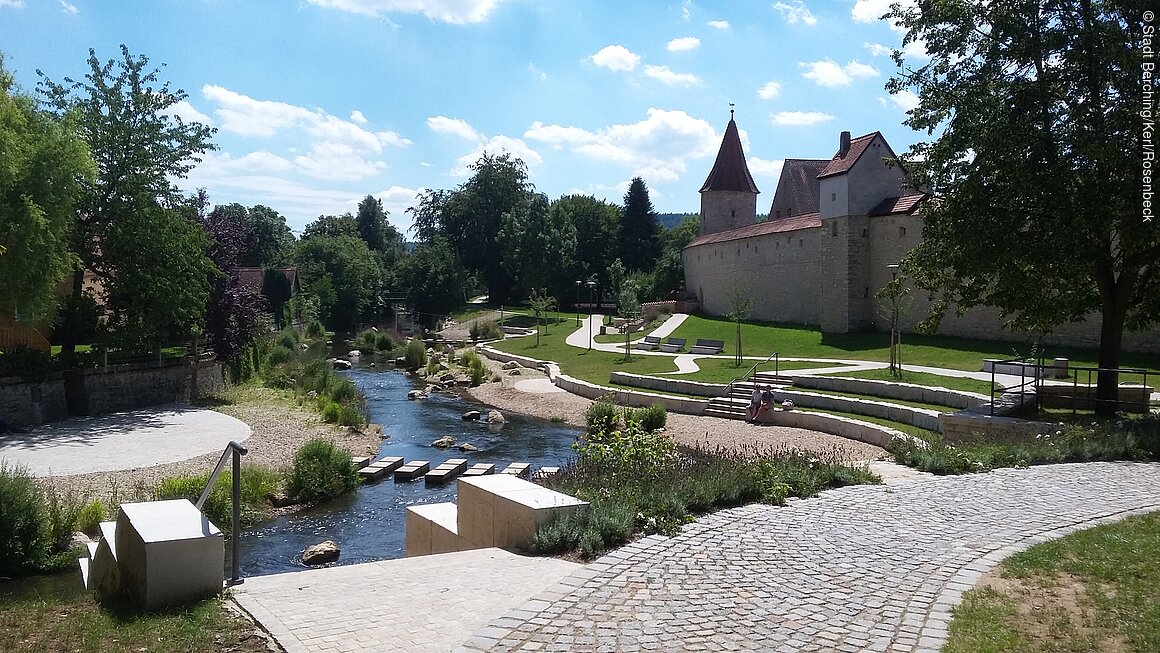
[345,275]
[540,302]
[273,239]
[640,231]
[380,235]
[122,112]
[1038,159]
[597,227]
[332,226]
[433,279]
[276,289]
[669,274]
[740,303]
[41,167]
[537,245]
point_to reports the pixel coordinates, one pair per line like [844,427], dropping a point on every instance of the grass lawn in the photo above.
[921,378]
[1094,590]
[935,351]
[65,625]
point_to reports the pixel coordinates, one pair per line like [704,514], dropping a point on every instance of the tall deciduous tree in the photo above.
[597,227]
[234,314]
[41,165]
[537,246]
[272,239]
[669,274]
[640,231]
[123,112]
[433,279]
[343,272]
[1038,160]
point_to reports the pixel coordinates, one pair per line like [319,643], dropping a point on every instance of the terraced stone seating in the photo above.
[703,346]
[674,345]
[648,344]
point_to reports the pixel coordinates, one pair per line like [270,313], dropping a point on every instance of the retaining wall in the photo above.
[891,390]
[25,404]
[630,397]
[680,386]
[974,427]
[920,417]
[835,425]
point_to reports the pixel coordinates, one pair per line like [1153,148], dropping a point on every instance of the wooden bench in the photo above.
[648,344]
[673,345]
[704,346]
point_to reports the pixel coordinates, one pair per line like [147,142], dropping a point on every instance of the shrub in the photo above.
[279,355]
[632,449]
[385,342]
[90,517]
[321,471]
[63,513]
[314,329]
[287,338]
[651,418]
[602,416]
[331,413]
[32,365]
[23,535]
[415,355]
[484,330]
[258,483]
[432,367]
[349,415]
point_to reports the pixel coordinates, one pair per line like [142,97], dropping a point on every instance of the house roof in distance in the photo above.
[906,203]
[251,278]
[730,172]
[794,223]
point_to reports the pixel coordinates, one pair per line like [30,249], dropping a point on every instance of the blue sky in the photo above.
[319,102]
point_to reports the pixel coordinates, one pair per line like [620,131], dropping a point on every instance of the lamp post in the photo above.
[578,284]
[591,284]
[895,363]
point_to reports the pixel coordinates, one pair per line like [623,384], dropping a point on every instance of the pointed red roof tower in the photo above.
[729,196]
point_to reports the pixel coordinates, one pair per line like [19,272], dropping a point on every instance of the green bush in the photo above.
[321,471]
[415,355]
[63,514]
[372,341]
[91,516]
[331,412]
[385,342]
[287,338]
[602,416]
[23,532]
[484,330]
[279,355]
[651,418]
[432,367]
[315,330]
[258,484]
[31,365]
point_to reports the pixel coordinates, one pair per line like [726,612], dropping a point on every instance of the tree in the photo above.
[640,231]
[332,226]
[346,276]
[597,227]
[41,168]
[628,307]
[139,149]
[1038,158]
[272,238]
[669,274]
[740,303]
[277,291]
[380,235]
[540,302]
[234,314]
[433,278]
[537,246]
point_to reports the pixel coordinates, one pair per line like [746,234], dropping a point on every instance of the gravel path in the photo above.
[687,429]
[278,431]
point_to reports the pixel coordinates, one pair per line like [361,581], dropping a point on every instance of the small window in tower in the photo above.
[779,213]
[833,197]
[902,231]
[777,244]
[833,228]
[733,213]
[866,292]
[865,233]
[788,211]
[801,242]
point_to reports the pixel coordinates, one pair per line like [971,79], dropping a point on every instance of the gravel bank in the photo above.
[687,429]
[278,431]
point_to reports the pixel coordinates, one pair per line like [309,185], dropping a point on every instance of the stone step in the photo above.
[480,469]
[445,471]
[518,469]
[360,461]
[380,468]
[412,470]
[546,472]
[724,414]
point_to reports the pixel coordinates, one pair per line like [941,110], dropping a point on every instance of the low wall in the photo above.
[650,310]
[679,386]
[920,417]
[888,389]
[975,427]
[26,404]
[505,357]
[835,425]
[630,397]
[1133,398]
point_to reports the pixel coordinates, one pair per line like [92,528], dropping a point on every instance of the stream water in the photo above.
[368,524]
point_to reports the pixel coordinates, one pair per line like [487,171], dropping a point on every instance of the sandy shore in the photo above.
[686,429]
[278,431]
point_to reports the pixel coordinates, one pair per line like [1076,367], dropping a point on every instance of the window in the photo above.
[801,242]
[833,229]
[901,232]
[779,213]
[833,197]
[733,213]
[865,233]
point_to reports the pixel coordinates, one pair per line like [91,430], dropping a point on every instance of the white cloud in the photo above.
[800,118]
[497,145]
[68,8]
[357,117]
[828,73]
[449,11]
[870,11]
[904,100]
[15,4]
[337,149]
[666,76]
[615,57]
[769,91]
[718,24]
[188,113]
[686,10]
[684,43]
[453,126]
[796,11]
[765,168]
[878,50]
[656,147]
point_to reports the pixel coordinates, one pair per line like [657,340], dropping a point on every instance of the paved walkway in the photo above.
[431,603]
[130,440]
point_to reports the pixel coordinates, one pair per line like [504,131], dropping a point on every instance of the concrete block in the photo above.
[480,469]
[431,529]
[360,461]
[503,510]
[445,471]
[104,576]
[412,470]
[168,552]
[518,469]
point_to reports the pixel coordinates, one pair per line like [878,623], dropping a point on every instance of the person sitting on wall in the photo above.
[754,404]
[766,402]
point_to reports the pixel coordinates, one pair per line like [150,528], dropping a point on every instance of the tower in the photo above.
[729,196]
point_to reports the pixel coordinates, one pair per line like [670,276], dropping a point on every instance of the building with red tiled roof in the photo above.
[729,195]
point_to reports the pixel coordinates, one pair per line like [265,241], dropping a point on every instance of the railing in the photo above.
[19,336]
[1031,383]
[238,451]
[775,356]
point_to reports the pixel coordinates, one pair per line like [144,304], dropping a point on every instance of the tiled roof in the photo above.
[730,171]
[798,188]
[805,221]
[840,164]
[903,204]
[251,278]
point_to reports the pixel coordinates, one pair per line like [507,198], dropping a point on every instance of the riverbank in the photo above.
[279,426]
[689,430]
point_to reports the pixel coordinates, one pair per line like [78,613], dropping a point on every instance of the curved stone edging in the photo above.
[630,397]
[838,425]
[891,390]
[680,386]
[920,417]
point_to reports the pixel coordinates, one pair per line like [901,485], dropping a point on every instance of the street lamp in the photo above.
[591,284]
[578,284]
[895,363]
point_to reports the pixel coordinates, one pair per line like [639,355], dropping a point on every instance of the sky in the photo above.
[318,103]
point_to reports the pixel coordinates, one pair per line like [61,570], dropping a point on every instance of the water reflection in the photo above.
[368,524]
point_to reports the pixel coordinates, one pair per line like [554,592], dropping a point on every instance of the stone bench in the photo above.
[703,346]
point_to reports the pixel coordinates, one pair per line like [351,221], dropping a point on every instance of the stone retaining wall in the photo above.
[25,404]
[679,386]
[623,397]
[891,390]
[975,427]
[920,417]
[835,425]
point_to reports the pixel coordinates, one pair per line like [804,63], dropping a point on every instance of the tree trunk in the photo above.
[70,325]
[1114,296]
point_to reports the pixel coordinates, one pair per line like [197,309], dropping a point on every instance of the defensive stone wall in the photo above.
[25,404]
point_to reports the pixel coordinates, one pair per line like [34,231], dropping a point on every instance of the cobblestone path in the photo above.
[870,568]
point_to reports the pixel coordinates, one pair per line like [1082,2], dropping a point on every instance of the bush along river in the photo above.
[368,524]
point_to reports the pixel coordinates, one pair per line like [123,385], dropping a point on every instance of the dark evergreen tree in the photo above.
[640,231]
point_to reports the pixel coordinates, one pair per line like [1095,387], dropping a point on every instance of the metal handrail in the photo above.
[776,364]
[237,451]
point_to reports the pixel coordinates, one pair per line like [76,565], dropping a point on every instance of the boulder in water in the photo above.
[320,553]
[445,442]
[495,417]
[471,416]
[467,446]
